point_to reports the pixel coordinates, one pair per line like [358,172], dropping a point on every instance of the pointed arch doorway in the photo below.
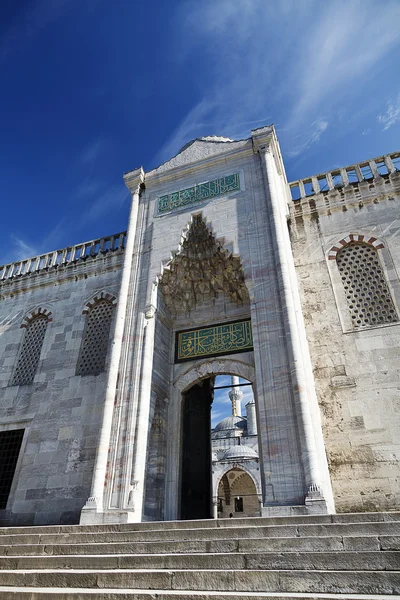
[196,483]
[179,450]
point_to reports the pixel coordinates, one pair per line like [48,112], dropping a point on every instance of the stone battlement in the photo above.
[336,179]
[71,255]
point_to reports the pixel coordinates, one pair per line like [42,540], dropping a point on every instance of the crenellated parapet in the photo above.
[73,261]
[369,181]
[67,256]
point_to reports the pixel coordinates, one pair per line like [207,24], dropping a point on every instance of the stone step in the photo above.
[304,544]
[121,594]
[206,523]
[287,581]
[313,530]
[326,561]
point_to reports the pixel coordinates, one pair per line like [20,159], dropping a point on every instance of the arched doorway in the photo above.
[184,385]
[237,495]
[210,445]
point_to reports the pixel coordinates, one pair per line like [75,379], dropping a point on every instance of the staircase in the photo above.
[344,556]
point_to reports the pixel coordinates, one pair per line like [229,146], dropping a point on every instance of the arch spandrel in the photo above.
[223,366]
[244,470]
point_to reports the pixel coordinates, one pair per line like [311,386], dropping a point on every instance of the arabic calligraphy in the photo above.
[196,193]
[218,339]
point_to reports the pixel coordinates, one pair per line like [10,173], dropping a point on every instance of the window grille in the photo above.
[10,445]
[368,296]
[95,339]
[29,354]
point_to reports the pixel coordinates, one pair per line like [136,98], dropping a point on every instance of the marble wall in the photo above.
[60,412]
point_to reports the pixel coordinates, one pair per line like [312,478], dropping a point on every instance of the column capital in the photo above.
[134,179]
[150,311]
[262,139]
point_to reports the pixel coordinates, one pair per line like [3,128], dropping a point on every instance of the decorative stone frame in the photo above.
[40,311]
[242,468]
[388,269]
[196,206]
[217,366]
[184,381]
[89,305]
[96,298]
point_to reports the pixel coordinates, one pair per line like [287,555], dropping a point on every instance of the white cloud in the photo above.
[292,59]
[90,153]
[312,137]
[392,114]
[98,205]
[21,249]
[340,50]
[193,125]
[98,199]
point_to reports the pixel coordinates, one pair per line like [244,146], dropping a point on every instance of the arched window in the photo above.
[367,293]
[31,347]
[96,334]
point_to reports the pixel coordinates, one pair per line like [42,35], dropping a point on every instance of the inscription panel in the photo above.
[228,338]
[196,193]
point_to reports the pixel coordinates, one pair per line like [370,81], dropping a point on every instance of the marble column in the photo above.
[284,256]
[94,503]
[143,420]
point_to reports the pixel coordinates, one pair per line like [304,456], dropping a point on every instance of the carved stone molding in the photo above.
[200,271]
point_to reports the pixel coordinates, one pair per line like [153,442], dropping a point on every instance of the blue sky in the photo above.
[222,405]
[93,88]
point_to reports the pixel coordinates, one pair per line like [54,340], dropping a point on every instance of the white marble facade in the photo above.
[108,447]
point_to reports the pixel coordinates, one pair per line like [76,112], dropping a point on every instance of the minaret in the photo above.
[235,396]
[251,417]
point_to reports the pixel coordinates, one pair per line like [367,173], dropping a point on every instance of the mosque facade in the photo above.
[110,348]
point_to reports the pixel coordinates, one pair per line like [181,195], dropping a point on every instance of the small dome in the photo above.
[240,452]
[231,422]
[232,426]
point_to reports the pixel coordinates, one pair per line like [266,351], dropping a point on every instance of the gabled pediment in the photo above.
[199,149]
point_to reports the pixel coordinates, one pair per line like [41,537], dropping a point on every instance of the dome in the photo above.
[232,426]
[240,453]
[231,422]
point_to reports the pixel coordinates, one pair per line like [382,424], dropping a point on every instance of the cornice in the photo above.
[262,138]
[60,274]
[265,141]
[134,179]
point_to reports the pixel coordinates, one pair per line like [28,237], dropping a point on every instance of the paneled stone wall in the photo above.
[234,193]
[208,244]
[356,370]
[59,411]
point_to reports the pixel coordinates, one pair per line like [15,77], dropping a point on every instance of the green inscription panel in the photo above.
[210,341]
[203,191]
